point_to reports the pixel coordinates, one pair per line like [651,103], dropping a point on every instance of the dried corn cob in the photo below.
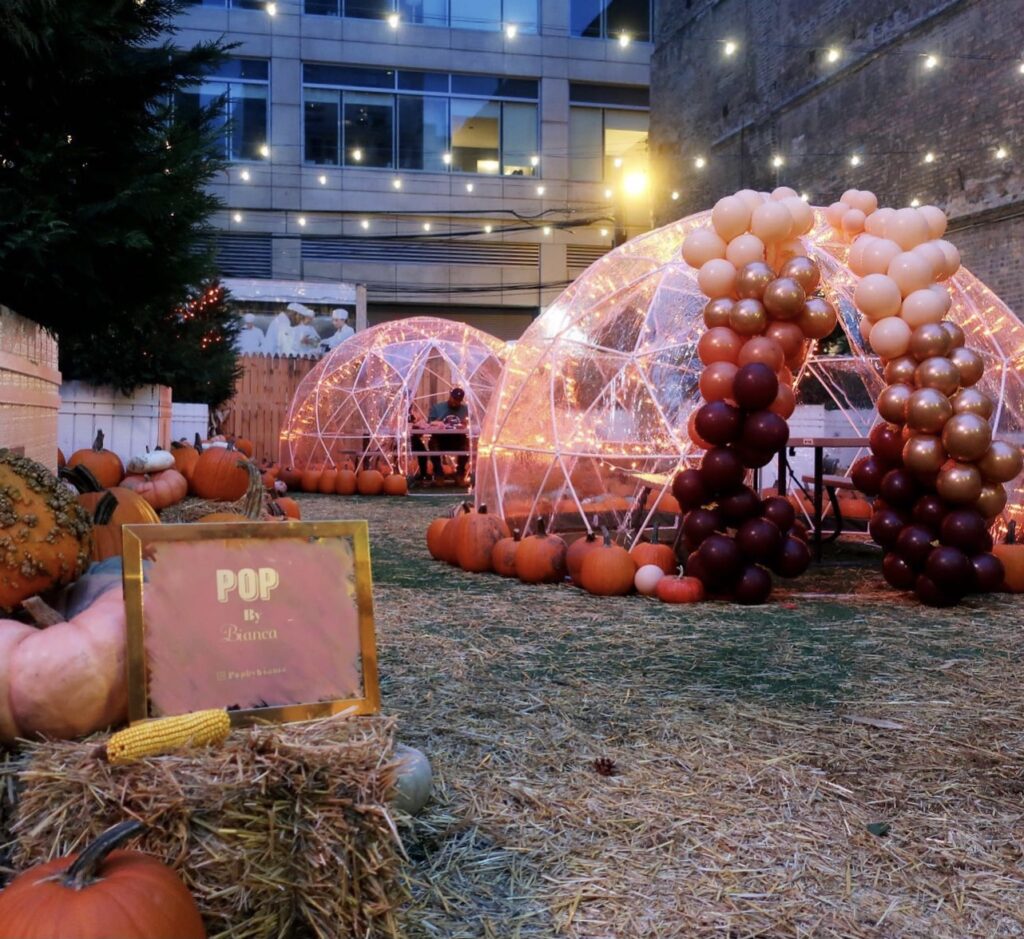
[152,738]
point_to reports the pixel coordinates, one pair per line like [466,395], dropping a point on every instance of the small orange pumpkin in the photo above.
[435,531]
[328,481]
[345,483]
[578,550]
[395,484]
[185,458]
[243,445]
[672,589]
[105,465]
[503,555]
[160,490]
[289,506]
[110,513]
[479,534]
[540,558]
[292,478]
[608,570]
[369,482]
[1012,556]
[450,537]
[220,474]
[651,552]
[310,480]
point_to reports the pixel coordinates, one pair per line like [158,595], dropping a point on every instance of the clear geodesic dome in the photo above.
[356,403]
[590,417]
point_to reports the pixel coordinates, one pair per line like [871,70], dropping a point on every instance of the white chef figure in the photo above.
[305,338]
[249,340]
[279,336]
[342,330]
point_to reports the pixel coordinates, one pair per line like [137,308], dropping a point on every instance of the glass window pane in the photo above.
[369,9]
[348,75]
[521,12]
[423,81]
[424,12]
[369,129]
[627,96]
[585,18]
[488,86]
[422,133]
[190,101]
[323,7]
[247,112]
[585,145]
[518,138]
[476,14]
[257,69]
[321,126]
[629,16]
[475,136]
[625,139]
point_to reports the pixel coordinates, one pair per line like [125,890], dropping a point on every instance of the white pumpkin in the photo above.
[646,579]
[152,461]
[413,780]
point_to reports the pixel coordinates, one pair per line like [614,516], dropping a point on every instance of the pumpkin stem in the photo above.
[542,527]
[81,477]
[1011,532]
[97,444]
[516,534]
[254,493]
[607,536]
[105,509]
[482,510]
[42,613]
[84,870]
[198,443]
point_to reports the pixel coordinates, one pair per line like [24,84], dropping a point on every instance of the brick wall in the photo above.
[780,95]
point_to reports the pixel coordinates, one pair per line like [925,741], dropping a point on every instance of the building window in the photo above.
[609,19]
[428,121]
[244,86]
[607,132]
[490,15]
[233,4]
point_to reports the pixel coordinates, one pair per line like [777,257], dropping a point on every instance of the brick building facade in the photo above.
[817,82]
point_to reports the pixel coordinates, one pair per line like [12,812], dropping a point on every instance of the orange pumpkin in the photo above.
[435,530]
[672,589]
[480,532]
[328,481]
[114,508]
[160,490]
[44,532]
[608,570]
[540,558]
[105,465]
[101,892]
[292,478]
[651,552]
[396,484]
[369,483]
[185,459]
[310,480]
[578,550]
[289,506]
[345,483]
[503,555]
[449,540]
[220,474]
[347,464]
[1012,556]
[666,502]
[245,446]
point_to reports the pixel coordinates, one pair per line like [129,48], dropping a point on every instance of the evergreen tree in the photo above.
[103,205]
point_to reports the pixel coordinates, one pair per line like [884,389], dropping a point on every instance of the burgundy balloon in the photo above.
[897,572]
[765,430]
[914,544]
[988,573]
[929,593]
[759,539]
[738,506]
[755,386]
[719,423]
[950,568]
[793,558]
[799,530]
[867,473]
[965,529]
[689,489]
[899,488]
[929,511]
[721,470]
[695,567]
[754,586]
[752,457]
[700,524]
[779,510]
[722,560]
[885,527]
[887,443]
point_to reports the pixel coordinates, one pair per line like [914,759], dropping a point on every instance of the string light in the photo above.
[634,183]
[393,20]
[302,221]
[730,47]
[540,190]
[446,159]
[623,40]
[272,9]
[547,229]
[700,162]
[264,150]
[237,217]
[915,202]
[357,155]
[396,183]
[777,161]
[322,179]
[469,187]
[364,224]
[488,229]
[675,195]
[929,157]
[930,61]
[511,31]
[535,160]
[604,232]
[426,226]
[1001,153]
[608,193]
[855,160]
[617,162]
[833,54]
[244,176]
[1020,68]
[805,197]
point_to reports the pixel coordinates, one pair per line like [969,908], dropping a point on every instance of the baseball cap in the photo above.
[457,393]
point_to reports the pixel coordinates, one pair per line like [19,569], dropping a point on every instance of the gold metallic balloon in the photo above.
[959,483]
[752,280]
[716,312]
[971,365]
[966,437]
[928,409]
[1001,463]
[956,334]
[899,370]
[788,335]
[892,403]
[929,340]
[938,372]
[748,317]
[992,500]
[804,271]
[924,453]
[970,400]
[818,318]
[784,298]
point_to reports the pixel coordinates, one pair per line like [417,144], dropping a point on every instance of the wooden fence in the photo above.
[262,398]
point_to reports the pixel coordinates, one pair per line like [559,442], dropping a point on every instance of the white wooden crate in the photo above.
[129,423]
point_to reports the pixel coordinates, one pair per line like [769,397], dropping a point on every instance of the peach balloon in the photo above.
[786,250]
[746,249]
[878,255]
[864,328]
[752,198]
[952,256]
[908,228]
[701,246]
[717,278]
[803,214]
[922,307]
[890,337]
[786,376]
[876,296]
[855,260]
[849,197]
[716,381]
[779,193]
[942,292]
[771,221]
[862,199]
[720,344]
[911,272]
[835,212]
[935,218]
[878,220]
[785,402]
[764,350]
[853,222]
[932,253]
[788,335]
[731,217]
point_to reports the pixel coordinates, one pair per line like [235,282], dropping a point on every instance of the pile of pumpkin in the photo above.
[478,542]
[341,480]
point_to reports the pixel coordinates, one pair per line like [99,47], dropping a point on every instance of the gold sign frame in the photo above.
[135,536]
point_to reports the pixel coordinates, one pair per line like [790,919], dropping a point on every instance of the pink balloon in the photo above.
[878,255]
[890,337]
[878,220]
[908,228]
[752,198]
[849,197]
[932,253]
[803,215]
[935,218]
[944,296]
[746,248]
[853,222]
[771,222]
[877,297]
[921,307]
[855,262]
[835,212]
[864,200]
[701,246]
[865,325]
[952,256]
[717,278]
[783,192]
[911,272]
[731,217]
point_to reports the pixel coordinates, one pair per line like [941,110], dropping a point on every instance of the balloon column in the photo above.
[934,466]
[761,316]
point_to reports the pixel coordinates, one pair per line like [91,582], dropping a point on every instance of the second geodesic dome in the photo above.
[356,402]
[593,406]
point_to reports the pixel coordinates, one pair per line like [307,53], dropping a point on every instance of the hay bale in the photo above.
[282,831]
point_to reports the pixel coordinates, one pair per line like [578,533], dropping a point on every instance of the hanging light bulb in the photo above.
[623,40]
[832,55]
[1001,153]
[675,195]
[805,197]
[700,162]
[855,160]
[365,224]
[357,155]
[396,183]
[535,160]
[446,159]
[608,193]
[511,30]
[929,157]
[604,232]
[322,179]
[547,229]
[244,175]
[237,217]
[730,47]
[915,202]
[777,161]
[540,190]
[302,221]
[469,187]
[488,228]
[931,61]
[264,150]
[393,20]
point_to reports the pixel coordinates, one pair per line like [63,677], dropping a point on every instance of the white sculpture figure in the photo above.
[279,336]
[305,338]
[249,340]
[342,330]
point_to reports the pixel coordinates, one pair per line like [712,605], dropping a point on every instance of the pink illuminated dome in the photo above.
[590,416]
